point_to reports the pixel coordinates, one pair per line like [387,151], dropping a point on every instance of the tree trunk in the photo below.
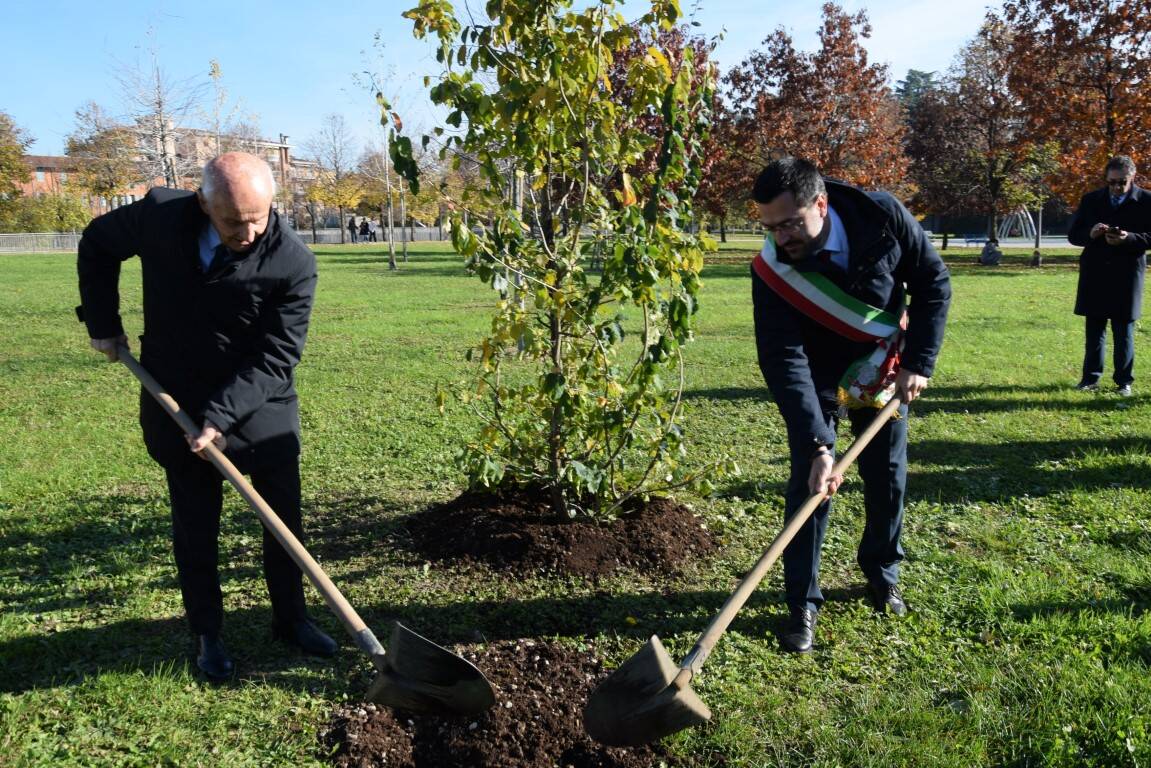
[312,210]
[388,191]
[943,226]
[343,229]
[391,246]
[555,333]
[723,229]
[403,219]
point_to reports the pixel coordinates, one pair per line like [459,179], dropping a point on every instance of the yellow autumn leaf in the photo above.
[627,197]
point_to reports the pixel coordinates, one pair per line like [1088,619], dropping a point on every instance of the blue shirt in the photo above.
[836,246]
[209,240]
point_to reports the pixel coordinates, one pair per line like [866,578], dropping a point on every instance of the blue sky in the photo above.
[291,63]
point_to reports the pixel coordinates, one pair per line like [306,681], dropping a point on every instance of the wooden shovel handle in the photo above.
[719,624]
[364,637]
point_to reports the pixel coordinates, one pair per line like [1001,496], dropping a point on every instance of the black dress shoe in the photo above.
[212,658]
[886,597]
[305,635]
[798,634]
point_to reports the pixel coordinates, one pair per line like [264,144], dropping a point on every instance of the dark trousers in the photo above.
[883,468]
[1123,354]
[195,488]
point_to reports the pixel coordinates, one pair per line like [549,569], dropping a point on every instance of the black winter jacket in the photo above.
[803,361]
[1111,276]
[223,343]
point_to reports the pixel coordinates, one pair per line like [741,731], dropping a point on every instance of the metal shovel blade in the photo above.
[419,676]
[643,701]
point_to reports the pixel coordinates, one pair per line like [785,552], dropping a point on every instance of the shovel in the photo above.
[648,697]
[416,674]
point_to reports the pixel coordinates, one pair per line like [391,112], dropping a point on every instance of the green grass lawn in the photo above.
[1028,535]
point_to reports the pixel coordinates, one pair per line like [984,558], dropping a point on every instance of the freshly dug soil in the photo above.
[517,531]
[537,720]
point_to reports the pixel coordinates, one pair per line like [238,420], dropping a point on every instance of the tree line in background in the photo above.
[1028,112]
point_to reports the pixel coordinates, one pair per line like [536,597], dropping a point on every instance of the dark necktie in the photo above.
[220,256]
[824,257]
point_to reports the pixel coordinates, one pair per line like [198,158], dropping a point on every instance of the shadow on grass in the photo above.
[953,399]
[730,394]
[115,534]
[69,656]
[992,472]
[1134,603]
[1137,542]
[983,399]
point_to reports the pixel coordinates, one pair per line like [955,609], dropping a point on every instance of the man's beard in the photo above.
[812,247]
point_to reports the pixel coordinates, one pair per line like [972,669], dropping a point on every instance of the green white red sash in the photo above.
[869,381]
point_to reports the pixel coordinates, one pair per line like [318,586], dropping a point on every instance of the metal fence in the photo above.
[332,235]
[39,242]
[47,242]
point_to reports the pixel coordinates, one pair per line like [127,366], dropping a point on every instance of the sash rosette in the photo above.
[869,381]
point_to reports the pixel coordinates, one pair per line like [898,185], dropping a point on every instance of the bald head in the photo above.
[236,194]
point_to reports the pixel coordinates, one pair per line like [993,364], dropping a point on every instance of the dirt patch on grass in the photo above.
[517,531]
[537,720]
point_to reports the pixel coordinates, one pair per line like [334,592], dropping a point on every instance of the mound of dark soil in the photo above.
[536,722]
[517,531]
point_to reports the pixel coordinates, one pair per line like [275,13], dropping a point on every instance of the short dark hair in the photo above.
[1120,163]
[789,174]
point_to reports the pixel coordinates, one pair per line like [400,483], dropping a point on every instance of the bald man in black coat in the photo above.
[228,290]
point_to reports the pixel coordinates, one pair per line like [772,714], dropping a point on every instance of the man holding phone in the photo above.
[1113,226]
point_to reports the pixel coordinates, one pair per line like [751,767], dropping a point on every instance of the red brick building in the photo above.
[50,174]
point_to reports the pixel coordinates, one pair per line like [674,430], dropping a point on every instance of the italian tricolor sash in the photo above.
[869,381]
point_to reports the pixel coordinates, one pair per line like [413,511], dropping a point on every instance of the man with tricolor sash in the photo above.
[850,301]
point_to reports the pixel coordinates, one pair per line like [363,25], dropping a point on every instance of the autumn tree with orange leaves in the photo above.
[724,191]
[1002,160]
[1084,70]
[832,106]
[937,146]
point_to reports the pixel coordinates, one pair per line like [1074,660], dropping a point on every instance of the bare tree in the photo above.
[241,136]
[333,149]
[232,129]
[379,176]
[158,106]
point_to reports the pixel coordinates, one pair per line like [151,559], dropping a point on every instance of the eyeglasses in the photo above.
[1118,182]
[789,225]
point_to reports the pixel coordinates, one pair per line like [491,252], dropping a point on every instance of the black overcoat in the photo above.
[890,257]
[1111,276]
[224,342]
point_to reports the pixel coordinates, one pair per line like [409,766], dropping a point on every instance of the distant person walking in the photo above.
[1113,225]
[352,228]
[365,230]
[371,230]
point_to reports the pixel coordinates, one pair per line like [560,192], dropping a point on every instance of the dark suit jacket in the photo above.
[801,360]
[1111,276]
[225,342]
